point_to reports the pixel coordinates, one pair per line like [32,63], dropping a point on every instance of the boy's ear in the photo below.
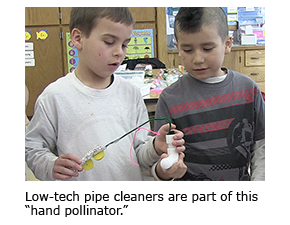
[176,44]
[76,37]
[229,43]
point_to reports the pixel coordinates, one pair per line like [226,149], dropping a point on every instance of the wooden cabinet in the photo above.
[48,62]
[233,60]
[249,60]
[65,14]
[254,66]
[174,59]
[41,16]
[255,58]
[49,52]
[42,24]
[143,14]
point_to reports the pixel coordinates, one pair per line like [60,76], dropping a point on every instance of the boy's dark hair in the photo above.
[86,18]
[191,19]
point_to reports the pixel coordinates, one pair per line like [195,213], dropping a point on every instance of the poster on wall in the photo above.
[72,54]
[141,44]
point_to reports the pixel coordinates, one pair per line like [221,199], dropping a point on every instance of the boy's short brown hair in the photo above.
[86,18]
[191,19]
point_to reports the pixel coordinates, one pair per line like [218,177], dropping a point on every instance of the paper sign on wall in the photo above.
[29,46]
[29,62]
[29,53]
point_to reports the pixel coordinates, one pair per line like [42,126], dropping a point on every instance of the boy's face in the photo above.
[203,52]
[104,50]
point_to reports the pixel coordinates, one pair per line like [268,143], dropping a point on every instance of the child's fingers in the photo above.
[180,149]
[72,157]
[178,141]
[66,166]
[179,168]
[165,128]
[71,161]
[178,134]
[163,156]
[62,173]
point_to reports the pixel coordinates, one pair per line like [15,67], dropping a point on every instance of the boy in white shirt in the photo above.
[91,106]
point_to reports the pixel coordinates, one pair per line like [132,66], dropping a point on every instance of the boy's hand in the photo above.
[160,141]
[176,171]
[62,169]
[179,168]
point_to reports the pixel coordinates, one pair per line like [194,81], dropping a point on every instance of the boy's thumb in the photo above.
[163,156]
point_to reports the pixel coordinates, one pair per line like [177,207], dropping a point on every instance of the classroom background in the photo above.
[49,56]
[152,58]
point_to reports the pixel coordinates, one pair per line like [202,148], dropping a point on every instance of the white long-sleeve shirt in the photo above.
[72,118]
[258,161]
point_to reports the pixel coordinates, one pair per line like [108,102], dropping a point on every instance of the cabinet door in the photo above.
[255,58]
[174,60]
[233,61]
[140,14]
[48,62]
[143,14]
[41,16]
[65,14]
